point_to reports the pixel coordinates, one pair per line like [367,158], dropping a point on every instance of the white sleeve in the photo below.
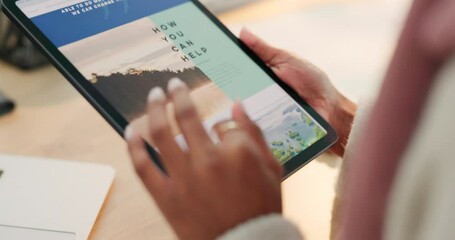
[268,227]
[361,117]
[360,120]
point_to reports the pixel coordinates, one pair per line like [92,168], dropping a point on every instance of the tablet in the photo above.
[115,51]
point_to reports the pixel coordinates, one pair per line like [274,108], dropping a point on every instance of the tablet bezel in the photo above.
[118,122]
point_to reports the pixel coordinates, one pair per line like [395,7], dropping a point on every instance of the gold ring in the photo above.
[223,127]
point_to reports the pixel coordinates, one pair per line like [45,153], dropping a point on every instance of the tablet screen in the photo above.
[125,48]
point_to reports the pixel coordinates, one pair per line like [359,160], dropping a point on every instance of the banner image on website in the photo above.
[127,48]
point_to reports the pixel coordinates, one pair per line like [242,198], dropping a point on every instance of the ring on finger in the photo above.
[224,127]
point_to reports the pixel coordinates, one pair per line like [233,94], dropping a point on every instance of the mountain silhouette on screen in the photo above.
[127,92]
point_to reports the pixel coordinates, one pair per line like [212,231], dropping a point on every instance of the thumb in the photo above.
[267,53]
[240,116]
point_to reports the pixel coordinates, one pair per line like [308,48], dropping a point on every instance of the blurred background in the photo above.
[352,40]
[17,49]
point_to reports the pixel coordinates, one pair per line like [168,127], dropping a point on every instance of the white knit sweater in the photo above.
[422,202]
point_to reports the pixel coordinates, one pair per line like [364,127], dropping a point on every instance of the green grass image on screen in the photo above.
[289,130]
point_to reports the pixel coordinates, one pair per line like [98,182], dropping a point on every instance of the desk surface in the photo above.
[53,120]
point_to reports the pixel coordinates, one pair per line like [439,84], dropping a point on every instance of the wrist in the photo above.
[341,120]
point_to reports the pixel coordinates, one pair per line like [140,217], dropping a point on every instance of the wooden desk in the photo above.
[53,120]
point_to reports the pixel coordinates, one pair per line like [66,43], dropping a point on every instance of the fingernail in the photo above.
[156,94]
[245,30]
[129,132]
[247,36]
[175,84]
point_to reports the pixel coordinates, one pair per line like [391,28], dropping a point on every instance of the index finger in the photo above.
[173,158]
[187,117]
[151,176]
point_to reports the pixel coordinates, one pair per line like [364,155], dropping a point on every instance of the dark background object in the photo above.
[16,48]
[6,105]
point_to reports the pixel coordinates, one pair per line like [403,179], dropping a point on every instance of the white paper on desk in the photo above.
[51,196]
[352,43]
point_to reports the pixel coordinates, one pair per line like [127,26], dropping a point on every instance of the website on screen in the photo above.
[125,48]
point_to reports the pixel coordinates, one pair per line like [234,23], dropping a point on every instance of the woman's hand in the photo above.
[209,188]
[310,83]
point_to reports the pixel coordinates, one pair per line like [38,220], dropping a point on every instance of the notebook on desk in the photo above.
[44,199]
